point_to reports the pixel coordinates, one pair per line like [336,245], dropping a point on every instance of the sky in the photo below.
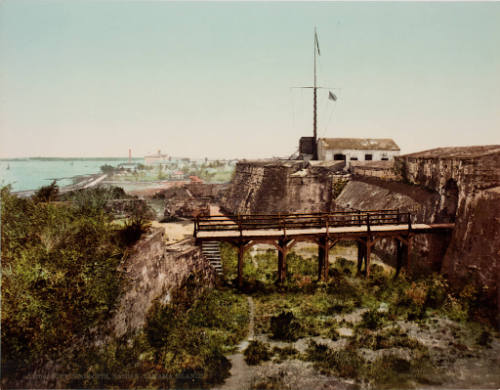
[200,79]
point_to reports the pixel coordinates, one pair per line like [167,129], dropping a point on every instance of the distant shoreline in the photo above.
[71,159]
[86,181]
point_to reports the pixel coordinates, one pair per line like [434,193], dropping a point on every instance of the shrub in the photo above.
[389,371]
[285,327]
[189,354]
[285,353]
[485,339]
[345,363]
[132,231]
[372,319]
[47,193]
[388,338]
[106,168]
[256,352]
[59,278]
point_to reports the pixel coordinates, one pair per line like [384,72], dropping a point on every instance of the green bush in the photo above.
[132,231]
[256,352]
[47,193]
[285,327]
[372,319]
[189,355]
[285,353]
[485,339]
[59,278]
[344,363]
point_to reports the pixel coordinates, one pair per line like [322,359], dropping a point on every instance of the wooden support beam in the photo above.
[369,244]
[399,257]
[243,246]
[408,254]
[361,254]
[283,246]
[321,259]
[324,246]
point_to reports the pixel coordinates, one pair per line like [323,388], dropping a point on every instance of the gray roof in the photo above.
[360,143]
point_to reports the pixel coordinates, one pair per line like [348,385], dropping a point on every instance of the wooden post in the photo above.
[282,266]
[321,258]
[369,244]
[399,257]
[326,260]
[361,255]
[239,226]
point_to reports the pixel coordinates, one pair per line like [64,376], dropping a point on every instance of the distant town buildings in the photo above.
[178,175]
[156,159]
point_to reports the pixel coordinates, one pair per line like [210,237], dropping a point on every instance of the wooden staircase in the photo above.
[211,251]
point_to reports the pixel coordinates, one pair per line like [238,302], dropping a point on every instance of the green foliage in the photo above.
[190,350]
[285,327]
[91,201]
[337,187]
[256,352]
[391,371]
[221,309]
[372,319]
[285,353]
[47,193]
[59,278]
[109,169]
[384,339]
[344,363]
[132,231]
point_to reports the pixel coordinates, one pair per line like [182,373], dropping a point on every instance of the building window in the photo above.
[368,157]
[385,159]
[339,156]
[354,158]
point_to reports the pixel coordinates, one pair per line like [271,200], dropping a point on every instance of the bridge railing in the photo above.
[301,220]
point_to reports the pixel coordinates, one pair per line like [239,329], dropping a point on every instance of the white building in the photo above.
[156,159]
[357,149]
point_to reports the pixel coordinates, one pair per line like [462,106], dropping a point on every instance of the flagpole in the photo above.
[315,100]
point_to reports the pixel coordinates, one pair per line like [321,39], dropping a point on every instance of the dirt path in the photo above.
[241,373]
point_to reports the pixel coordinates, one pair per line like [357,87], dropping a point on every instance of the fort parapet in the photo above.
[460,185]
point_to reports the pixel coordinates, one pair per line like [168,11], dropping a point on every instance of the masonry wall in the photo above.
[293,186]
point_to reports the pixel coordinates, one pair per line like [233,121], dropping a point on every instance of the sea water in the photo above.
[33,173]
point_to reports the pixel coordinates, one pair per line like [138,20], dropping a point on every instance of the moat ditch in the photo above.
[353,332]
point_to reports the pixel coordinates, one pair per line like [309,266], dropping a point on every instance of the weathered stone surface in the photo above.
[383,170]
[273,187]
[467,181]
[129,207]
[154,270]
[370,193]
[190,200]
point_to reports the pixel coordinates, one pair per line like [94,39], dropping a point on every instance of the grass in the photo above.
[257,352]
[380,352]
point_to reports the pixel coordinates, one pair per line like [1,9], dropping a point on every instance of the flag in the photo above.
[316,43]
[332,96]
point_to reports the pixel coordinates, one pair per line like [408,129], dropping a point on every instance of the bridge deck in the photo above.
[416,228]
[326,229]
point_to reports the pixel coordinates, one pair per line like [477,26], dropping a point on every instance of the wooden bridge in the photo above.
[325,229]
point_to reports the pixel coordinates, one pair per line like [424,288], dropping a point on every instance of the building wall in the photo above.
[151,160]
[377,155]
